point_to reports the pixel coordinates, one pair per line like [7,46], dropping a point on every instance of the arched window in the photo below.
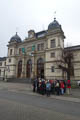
[29,68]
[19,68]
[0,72]
[40,68]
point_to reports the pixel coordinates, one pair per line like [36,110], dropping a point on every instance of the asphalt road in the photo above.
[19,106]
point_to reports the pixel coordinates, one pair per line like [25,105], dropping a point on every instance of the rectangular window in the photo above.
[42,46]
[10,51]
[9,60]
[38,47]
[20,50]
[52,55]
[52,69]
[53,43]
[0,63]
[4,63]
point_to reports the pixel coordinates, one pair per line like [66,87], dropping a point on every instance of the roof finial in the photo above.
[16,30]
[16,33]
[55,15]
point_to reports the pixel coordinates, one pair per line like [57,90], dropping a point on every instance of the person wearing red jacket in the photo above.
[62,87]
[68,86]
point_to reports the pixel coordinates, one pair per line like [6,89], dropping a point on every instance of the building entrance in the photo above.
[19,68]
[40,68]
[29,68]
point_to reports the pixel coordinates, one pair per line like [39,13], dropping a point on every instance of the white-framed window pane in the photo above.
[53,43]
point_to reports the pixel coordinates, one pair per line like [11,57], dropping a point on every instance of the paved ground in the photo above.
[18,102]
[27,89]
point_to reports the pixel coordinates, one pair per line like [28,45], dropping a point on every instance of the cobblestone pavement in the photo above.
[18,102]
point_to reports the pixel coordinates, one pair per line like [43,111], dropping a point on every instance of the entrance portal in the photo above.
[40,68]
[19,68]
[29,68]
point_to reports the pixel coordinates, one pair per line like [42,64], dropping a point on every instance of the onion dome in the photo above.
[15,38]
[54,25]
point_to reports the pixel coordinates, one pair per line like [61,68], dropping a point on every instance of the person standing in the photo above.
[34,85]
[48,88]
[62,87]
[57,87]
[68,87]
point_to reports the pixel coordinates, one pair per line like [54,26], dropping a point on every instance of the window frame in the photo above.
[9,60]
[11,51]
[52,54]
[52,69]
[53,43]
[0,63]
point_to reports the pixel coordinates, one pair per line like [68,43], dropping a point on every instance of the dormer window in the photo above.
[31,33]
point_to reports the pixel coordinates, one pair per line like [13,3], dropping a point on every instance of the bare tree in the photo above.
[68,66]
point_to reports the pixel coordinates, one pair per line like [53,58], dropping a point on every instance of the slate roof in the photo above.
[77,47]
[2,58]
[41,33]
[54,25]
[15,38]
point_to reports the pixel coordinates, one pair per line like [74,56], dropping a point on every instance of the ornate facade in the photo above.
[38,55]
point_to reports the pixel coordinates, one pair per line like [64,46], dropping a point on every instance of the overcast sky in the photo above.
[23,15]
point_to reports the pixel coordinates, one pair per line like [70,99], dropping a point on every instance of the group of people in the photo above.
[48,87]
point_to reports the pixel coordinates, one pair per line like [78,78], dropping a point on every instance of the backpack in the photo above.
[57,84]
[48,87]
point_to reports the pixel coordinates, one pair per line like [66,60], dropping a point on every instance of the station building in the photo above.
[39,55]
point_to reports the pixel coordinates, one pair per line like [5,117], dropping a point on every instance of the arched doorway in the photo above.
[19,68]
[29,68]
[0,72]
[40,68]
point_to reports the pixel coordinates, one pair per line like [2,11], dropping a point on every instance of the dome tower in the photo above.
[15,38]
[54,25]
